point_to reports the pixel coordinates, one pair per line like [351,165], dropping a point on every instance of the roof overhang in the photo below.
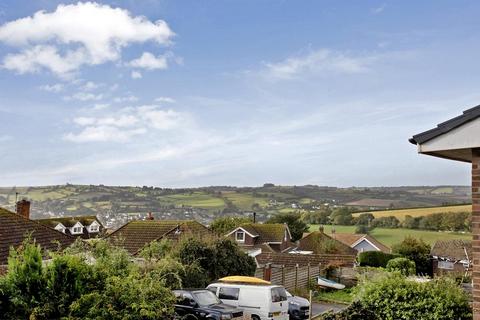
[453,139]
[356,243]
[241,229]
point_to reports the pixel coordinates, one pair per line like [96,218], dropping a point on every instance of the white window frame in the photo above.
[77,228]
[94,227]
[60,227]
[240,232]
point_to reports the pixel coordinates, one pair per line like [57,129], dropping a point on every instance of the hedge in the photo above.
[375,258]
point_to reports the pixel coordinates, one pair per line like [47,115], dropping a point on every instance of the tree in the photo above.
[295,224]
[365,219]
[135,297]
[362,229]
[416,250]
[411,222]
[215,259]
[342,216]
[386,222]
[223,225]
[26,280]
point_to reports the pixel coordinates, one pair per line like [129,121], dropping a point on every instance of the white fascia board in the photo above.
[365,239]
[240,228]
[467,136]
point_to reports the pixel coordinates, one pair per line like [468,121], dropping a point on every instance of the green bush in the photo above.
[403,265]
[393,297]
[376,259]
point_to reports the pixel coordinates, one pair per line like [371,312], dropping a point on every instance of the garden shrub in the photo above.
[403,265]
[416,250]
[392,297]
[376,259]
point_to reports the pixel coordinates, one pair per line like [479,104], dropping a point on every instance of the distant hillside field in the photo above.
[117,204]
[390,237]
[417,212]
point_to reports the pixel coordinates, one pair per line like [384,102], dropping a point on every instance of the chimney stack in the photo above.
[254,217]
[150,216]
[23,208]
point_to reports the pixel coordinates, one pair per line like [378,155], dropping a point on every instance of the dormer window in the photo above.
[77,230]
[240,236]
[60,227]
[94,228]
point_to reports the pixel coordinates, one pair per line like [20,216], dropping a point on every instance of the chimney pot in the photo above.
[254,217]
[23,208]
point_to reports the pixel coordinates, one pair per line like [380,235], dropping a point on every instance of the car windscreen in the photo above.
[206,298]
[279,294]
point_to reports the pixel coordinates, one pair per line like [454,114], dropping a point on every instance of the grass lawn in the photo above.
[337,296]
[390,237]
[400,214]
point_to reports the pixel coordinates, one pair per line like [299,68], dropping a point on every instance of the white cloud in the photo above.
[136,75]
[379,9]
[90,85]
[129,98]
[125,124]
[52,87]
[322,61]
[84,96]
[150,62]
[165,99]
[74,35]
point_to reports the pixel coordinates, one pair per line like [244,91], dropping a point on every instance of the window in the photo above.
[206,298]
[229,293]
[240,236]
[445,265]
[279,295]
[212,289]
[77,230]
[94,228]
[186,299]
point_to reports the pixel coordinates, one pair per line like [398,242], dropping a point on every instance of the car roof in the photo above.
[221,284]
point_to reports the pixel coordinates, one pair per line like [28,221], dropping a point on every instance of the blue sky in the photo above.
[193,93]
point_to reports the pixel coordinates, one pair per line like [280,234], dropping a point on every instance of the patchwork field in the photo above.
[390,237]
[400,214]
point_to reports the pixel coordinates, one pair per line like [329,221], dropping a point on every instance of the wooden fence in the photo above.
[291,277]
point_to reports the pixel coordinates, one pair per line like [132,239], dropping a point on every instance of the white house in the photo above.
[81,226]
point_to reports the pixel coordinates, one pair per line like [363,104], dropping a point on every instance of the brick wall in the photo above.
[476,231]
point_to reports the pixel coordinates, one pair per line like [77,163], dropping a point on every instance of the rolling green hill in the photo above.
[206,203]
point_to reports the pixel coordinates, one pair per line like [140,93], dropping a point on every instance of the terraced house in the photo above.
[85,227]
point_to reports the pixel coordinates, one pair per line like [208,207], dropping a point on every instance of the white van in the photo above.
[262,302]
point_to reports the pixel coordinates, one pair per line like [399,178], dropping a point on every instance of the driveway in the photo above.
[321,307]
